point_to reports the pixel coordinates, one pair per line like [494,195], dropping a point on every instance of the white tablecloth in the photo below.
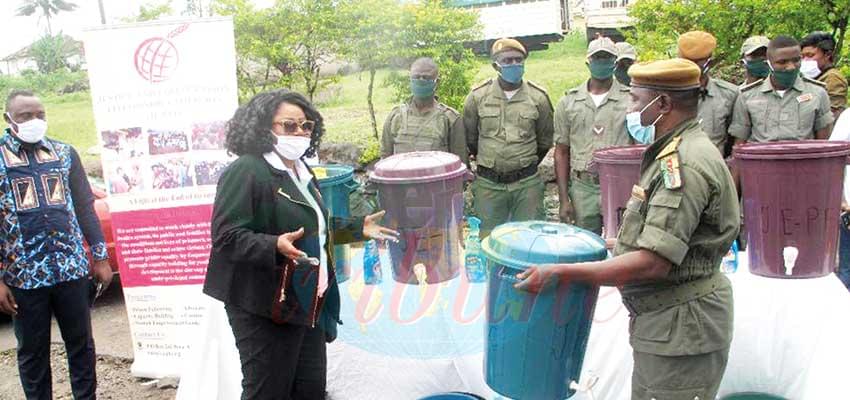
[790,340]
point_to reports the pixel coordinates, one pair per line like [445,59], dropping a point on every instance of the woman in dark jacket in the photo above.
[271,259]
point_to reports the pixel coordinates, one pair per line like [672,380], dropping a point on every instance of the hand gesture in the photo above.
[372,230]
[566,212]
[536,279]
[7,300]
[285,244]
[103,274]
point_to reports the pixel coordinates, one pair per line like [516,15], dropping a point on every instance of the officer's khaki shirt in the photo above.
[692,226]
[586,128]
[836,88]
[762,115]
[715,110]
[508,135]
[407,129]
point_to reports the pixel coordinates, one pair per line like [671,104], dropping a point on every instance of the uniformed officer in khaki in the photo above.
[626,57]
[717,98]
[423,123]
[818,50]
[508,123]
[679,222]
[785,106]
[589,117]
[754,59]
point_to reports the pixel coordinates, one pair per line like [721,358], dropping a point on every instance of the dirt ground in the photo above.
[113,377]
[114,349]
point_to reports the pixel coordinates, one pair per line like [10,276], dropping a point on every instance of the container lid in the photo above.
[522,244]
[620,155]
[418,166]
[333,174]
[453,396]
[791,150]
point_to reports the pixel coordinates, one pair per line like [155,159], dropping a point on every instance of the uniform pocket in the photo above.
[525,124]
[489,121]
[405,144]
[806,112]
[655,326]
[632,224]
[664,201]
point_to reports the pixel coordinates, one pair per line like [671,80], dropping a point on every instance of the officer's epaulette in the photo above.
[724,85]
[671,148]
[815,81]
[482,84]
[445,107]
[538,87]
[572,91]
[751,85]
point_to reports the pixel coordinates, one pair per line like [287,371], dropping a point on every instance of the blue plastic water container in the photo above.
[535,343]
[336,182]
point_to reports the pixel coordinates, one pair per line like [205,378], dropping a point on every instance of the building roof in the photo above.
[71,46]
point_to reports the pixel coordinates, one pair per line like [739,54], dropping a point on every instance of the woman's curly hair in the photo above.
[250,129]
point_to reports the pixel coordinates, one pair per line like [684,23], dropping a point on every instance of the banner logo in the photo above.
[157,58]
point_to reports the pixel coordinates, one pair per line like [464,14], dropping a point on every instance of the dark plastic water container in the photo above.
[453,396]
[535,343]
[335,183]
[422,193]
[619,170]
[792,201]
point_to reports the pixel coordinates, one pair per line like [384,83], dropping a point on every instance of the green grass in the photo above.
[343,104]
[71,120]
[346,112]
[558,69]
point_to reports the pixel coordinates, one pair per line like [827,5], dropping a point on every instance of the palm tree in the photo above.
[48,8]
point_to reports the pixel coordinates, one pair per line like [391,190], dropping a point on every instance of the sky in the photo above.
[17,32]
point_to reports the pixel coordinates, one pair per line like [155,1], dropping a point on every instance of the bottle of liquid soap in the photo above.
[475,271]
[372,263]
[729,264]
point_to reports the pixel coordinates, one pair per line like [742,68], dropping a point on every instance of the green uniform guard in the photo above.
[679,222]
[589,117]
[785,106]
[423,123]
[509,130]
[717,98]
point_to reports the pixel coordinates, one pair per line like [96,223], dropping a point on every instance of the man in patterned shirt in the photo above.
[46,210]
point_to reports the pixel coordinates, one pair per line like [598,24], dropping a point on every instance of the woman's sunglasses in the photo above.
[291,126]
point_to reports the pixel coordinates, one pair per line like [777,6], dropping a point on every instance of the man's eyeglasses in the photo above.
[291,126]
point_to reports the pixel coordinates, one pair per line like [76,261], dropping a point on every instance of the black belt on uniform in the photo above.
[676,295]
[585,176]
[507,177]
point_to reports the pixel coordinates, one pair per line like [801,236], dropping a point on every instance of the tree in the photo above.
[150,12]
[286,44]
[50,53]
[102,12]
[370,40]
[197,7]
[660,22]
[47,8]
[431,29]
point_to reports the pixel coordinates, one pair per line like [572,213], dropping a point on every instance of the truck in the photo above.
[609,18]
[533,22]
